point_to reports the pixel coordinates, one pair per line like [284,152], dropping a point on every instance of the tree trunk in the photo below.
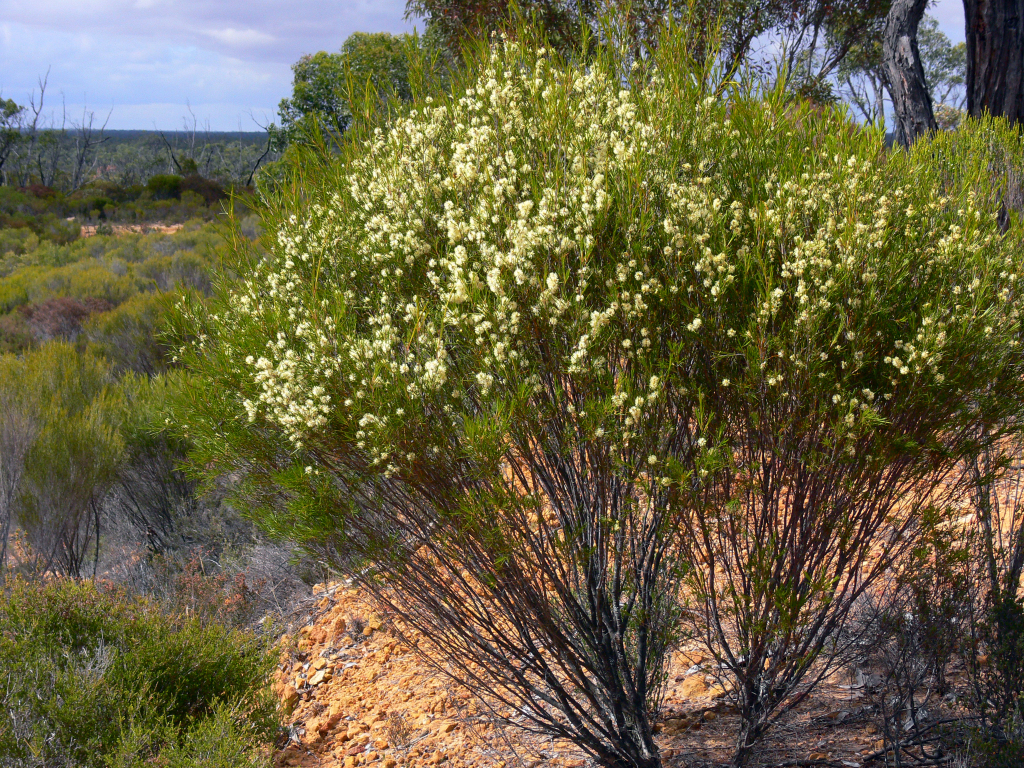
[904,72]
[995,58]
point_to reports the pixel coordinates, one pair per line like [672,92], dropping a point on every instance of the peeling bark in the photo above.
[904,72]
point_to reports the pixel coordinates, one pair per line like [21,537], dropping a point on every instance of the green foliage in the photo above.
[17,242]
[90,464]
[316,91]
[73,455]
[42,216]
[108,295]
[130,336]
[659,306]
[324,83]
[164,187]
[226,739]
[75,164]
[812,37]
[945,64]
[85,279]
[101,273]
[209,190]
[10,130]
[98,679]
[987,155]
[58,219]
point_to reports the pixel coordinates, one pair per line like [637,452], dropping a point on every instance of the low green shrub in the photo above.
[223,740]
[207,189]
[95,678]
[129,336]
[15,242]
[164,187]
[998,753]
[106,267]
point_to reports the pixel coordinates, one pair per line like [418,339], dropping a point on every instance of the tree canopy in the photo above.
[323,82]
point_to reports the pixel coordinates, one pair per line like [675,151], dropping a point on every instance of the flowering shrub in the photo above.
[534,355]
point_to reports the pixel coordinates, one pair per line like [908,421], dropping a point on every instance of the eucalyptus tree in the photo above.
[995,58]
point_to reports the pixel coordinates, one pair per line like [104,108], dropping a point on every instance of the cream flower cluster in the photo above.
[831,233]
[549,216]
[445,233]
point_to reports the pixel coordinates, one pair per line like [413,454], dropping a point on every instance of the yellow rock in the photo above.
[676,725]
[693,687]
[320,676]
[289,699]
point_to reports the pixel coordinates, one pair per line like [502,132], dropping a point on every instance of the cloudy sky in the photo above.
[145,60]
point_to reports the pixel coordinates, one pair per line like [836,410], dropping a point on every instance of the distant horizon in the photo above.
[178,131]
[155,65]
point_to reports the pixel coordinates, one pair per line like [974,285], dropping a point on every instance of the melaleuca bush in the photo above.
[574,321]
[514,177]
[476,229]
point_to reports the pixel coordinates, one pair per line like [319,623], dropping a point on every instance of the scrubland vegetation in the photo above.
[157,659]
[568,362]
[94,677]
[568,366]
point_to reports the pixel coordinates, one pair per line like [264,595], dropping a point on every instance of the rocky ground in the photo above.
[356,696]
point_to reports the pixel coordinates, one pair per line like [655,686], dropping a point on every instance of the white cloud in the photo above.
[236,37]
[268,29]
[143,57]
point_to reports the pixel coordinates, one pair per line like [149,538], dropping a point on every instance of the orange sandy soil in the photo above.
[88,230]
[357,696]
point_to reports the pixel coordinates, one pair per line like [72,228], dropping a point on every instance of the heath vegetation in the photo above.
[566,364]
[571,346]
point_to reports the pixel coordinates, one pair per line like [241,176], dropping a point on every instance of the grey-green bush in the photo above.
[94,678]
